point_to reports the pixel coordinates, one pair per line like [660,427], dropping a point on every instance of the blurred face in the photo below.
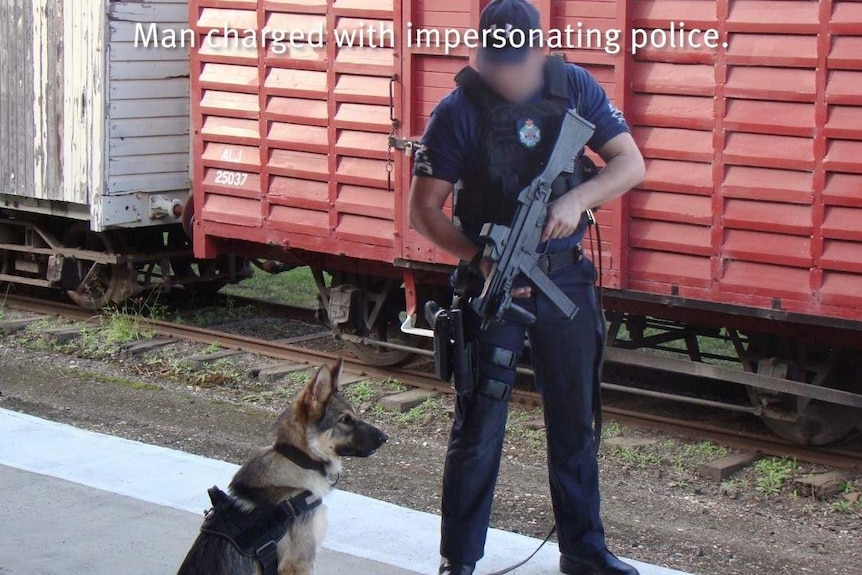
[515,82]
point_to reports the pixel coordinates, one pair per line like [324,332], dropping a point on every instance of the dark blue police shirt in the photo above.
[451,139]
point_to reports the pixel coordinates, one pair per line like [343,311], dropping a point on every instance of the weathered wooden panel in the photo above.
[83,156]
[31,98]
[148,83]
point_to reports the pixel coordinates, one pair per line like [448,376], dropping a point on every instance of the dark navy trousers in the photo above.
[566,358]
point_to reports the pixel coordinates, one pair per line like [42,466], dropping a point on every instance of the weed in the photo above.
[359,392]
[393,384]
[843,506]
[426,410]
[771,474]
[212,348]
[638,457]
[112,380]
[118,328]
[229,312]
[612,429]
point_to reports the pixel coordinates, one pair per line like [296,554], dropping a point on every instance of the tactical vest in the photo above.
[255,533]
[515,141]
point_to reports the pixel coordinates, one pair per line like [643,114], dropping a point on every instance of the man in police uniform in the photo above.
[493,133]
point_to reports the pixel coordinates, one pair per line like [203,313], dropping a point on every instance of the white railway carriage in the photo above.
[94,161]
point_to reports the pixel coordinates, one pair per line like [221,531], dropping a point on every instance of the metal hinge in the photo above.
[405,144]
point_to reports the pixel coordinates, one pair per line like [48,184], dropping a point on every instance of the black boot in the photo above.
[602,563]
[447,568]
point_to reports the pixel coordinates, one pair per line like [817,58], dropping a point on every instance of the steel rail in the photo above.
[768,445]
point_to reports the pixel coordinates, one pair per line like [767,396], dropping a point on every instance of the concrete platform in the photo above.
[79,502]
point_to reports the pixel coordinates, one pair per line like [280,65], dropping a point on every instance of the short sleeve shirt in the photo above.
[451,139]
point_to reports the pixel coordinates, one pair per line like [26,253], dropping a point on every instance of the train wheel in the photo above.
[369,308]
[89,284]
[810,421]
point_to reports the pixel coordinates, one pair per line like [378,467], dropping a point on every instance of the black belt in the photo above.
[550,263]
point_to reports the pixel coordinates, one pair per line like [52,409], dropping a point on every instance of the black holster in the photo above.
[453,355]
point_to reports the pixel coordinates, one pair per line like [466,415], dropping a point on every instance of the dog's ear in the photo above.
[335,373]
[321,386]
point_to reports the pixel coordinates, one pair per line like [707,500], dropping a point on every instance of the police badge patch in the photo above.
[529,133]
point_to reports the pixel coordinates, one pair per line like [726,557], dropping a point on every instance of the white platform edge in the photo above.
[358,525]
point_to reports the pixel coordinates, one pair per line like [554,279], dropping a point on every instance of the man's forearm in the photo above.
[620,175]
[437,227]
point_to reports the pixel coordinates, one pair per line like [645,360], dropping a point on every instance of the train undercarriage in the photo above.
[803,381]
[96,269]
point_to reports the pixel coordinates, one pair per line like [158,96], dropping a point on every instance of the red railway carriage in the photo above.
[749,220]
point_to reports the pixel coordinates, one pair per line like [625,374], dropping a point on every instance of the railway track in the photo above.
[768,445]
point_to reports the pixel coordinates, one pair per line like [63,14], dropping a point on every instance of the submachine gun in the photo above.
[512,250]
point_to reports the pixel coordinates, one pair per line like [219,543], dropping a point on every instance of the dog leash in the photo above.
[533,554]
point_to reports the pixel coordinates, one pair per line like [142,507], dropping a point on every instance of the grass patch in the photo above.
[359,392]
[422,413]
[281,394]
[227,313]
[639,457]
[612,429]
[517,429]
[772,474]
[112,380]
[295,287]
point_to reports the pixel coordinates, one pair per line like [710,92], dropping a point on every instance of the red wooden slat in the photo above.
[844,122]
[671,268]
[231,210]
[785,16]
[674,143]
[772,50]
[841,289]
[297,110]
[364,230]
[843,223]
[782,84]
[846,53]
[298,220]
[299,193]
[769,151]
[765,280]
[781,118]
[231,156]
[844,156]
[362,144]
[298,137]
[843,88]
[230,130]
[670,237]
[673,176]
[365,201]
[767,216]
[672,111]
[671,207]
[659,13]
[757,246]
[842,256]
[843,189]
[768,184]
[846,17]
[245,184]
[675,79]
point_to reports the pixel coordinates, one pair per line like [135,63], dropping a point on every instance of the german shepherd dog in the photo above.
[309,439]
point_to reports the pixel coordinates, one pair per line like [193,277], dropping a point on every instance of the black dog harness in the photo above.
[255,533]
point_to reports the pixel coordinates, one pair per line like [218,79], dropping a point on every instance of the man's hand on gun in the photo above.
[519,292]
[563,216]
